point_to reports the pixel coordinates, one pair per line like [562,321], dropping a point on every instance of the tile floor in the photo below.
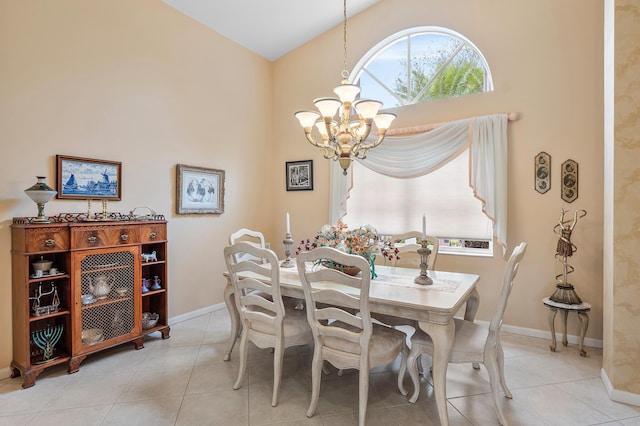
[184,381]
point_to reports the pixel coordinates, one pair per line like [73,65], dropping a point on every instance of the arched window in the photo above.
[420,65]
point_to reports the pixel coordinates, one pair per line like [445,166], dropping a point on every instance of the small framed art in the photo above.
[88,179]
[199,190]
[299,175]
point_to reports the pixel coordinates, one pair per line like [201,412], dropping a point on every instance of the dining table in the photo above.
[393,292]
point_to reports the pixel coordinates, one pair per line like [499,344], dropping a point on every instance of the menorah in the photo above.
[46,340]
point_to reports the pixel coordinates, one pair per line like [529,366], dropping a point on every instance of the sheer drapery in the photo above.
[410,156]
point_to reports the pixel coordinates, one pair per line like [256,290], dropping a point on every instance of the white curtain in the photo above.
[411,156]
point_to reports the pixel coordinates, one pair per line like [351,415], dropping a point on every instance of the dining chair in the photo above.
[265,319]
[409,258]
[254,237]
[343,338]
[473,342]
[409,252]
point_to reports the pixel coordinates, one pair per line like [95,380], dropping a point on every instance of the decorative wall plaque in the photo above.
[569,181]
[542,169]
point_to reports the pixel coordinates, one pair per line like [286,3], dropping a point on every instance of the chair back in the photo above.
[409,252]
[257,295]
[510,273]
[332,300]
[254,237]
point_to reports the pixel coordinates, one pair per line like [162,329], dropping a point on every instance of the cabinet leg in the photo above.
[165,332]
[564,315]
[584,324]
[139,342]
[552,326]
[74,363]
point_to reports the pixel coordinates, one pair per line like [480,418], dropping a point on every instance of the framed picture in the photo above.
[88,179]
[300,175]
[199,190]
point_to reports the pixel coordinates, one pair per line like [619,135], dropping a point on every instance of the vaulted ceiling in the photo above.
[270,28]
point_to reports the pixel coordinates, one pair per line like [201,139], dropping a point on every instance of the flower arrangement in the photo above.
[363,241]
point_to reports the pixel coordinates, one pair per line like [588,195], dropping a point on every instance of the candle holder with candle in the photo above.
[288,242]
[424,251]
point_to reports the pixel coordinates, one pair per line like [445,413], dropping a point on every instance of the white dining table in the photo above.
[393,292]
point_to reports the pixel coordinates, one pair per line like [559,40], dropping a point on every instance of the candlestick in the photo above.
[424,226]
[288,242]
[288,225]
[424,251]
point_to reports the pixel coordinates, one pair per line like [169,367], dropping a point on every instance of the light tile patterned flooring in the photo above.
[184,381]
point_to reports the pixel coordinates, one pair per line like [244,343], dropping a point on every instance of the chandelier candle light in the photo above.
[345,139]
[288,242]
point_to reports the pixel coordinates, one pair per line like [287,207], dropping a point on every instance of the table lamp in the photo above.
[40,193]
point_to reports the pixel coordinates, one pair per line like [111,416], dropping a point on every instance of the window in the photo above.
[422,65]
[395,206]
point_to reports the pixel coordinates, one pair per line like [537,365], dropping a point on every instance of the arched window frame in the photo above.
[361,66]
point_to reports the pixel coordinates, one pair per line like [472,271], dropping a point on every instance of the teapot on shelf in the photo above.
[101,285]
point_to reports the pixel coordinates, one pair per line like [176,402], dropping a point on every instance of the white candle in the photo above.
[424,226]
[288,225]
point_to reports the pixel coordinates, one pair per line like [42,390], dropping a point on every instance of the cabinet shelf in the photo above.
[152,292]
[155,262]
[104,302]
[60,312]
[105,268]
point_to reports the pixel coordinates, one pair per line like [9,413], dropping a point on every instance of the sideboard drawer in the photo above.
[46,239]
[150,233]
[103,236]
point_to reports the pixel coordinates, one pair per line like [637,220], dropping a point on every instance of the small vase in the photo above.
[156,283]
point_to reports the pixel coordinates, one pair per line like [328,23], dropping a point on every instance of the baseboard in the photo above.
[197,313]
[616,395]
[593,343]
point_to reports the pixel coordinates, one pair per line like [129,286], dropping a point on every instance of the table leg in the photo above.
[552,325]
[470,314]
[229,300]
[442,336]
[584,324]
[564,314]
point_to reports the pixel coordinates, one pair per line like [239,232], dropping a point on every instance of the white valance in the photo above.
[416,155]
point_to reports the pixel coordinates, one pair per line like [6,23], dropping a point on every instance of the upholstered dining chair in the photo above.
[254,237]
[344,339]
[475,343]
[265,320]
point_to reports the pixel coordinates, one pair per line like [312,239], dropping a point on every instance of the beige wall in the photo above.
[546,60]
[622,267]
[140,83]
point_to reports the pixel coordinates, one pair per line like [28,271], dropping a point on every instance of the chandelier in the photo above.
[344,136]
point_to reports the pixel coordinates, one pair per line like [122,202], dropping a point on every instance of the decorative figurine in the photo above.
[565,293]
[156,283]
[46,340]
[145,285]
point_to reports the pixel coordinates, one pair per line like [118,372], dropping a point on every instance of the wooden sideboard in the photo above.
[101,260]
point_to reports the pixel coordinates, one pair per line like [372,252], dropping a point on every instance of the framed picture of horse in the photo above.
[199,190]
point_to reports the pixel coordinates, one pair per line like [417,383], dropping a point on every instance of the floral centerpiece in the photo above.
[363,241]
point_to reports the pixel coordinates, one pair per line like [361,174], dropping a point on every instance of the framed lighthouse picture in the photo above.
[82,178]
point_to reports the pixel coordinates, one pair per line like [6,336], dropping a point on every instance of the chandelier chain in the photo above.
[345,73]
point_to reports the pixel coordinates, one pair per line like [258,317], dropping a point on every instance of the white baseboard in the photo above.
[197,313]
[617,395]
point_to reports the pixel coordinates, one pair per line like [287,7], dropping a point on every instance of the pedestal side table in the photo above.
[581,309]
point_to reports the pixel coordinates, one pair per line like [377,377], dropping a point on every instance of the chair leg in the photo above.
[316,376]
[491,363]
[503,382]
[401,373]
[363,392]
[277,372]
[244,338]
[412,365]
